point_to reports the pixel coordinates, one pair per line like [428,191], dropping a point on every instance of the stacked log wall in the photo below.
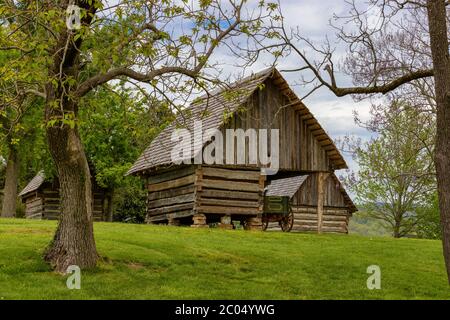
[46,204]
[33,207]
[229,191]
[334,220]
[171,194]
[336,213]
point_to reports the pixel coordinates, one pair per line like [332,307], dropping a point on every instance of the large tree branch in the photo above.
[384,88]
[103,78]
[371,89]
[115,73]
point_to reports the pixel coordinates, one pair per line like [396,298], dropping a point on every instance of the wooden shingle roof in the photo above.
[212,110]
[34,184]
[285,187]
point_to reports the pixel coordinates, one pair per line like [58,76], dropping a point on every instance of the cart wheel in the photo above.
[287,222]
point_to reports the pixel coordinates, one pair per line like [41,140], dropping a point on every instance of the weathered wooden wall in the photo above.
[229,191]
[308,195]
[33,206]
[183,191]
[171,194]
[333,219]
[213,192]
[300,148]
[320,206]
[45,204]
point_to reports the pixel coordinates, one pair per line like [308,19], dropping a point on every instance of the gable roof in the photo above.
[285,187]
[34,184]
[212,108]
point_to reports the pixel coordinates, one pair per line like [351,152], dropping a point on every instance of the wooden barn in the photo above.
[41,199]
[197,194]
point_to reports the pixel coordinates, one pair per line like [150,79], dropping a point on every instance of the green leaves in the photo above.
[396,172]
[116,125]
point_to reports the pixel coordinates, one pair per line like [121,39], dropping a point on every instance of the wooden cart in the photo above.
[278,209]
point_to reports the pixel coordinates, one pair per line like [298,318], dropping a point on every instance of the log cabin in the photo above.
[42,200]
[185,191]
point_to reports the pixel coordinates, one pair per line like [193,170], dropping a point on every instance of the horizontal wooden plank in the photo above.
[167,216]
[231,203]
[32,201]
[314,229]
[222,194]
[171,175]
[230,185]
[170,193]
[171,201]
[304,210]
[51,192]
[170,209]
[172,183]
[37,215]
[231,174]
[34,205]
[227,210]
[312,216]
[336,212]
[34,208]
[52,211]
[324,223]
[50,199]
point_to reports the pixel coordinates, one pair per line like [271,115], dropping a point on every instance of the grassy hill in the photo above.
[158,262]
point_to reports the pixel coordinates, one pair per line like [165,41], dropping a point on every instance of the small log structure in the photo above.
[42,199]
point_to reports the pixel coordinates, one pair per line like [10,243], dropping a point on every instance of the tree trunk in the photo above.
[9,204]
[73,243]
[439,49]
[109,211]
[396,233]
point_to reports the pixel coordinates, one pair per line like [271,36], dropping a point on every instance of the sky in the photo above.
[336,115]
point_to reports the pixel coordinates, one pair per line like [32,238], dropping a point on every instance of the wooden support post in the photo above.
[225,222]
[197,188]
[199,221]
[262,185]
[254,223]
[321,178]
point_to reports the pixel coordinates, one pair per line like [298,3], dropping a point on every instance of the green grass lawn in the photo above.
[158,262]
